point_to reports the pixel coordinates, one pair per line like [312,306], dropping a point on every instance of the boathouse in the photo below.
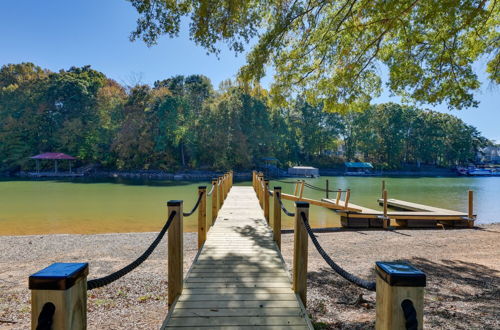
[303,171]
[358,168]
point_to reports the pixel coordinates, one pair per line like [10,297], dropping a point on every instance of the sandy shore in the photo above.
[462,266]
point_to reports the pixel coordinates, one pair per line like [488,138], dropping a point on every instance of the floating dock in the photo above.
[406,214]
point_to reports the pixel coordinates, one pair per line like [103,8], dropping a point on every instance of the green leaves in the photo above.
[333,51]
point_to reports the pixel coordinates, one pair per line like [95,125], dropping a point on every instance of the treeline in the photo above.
[182,122]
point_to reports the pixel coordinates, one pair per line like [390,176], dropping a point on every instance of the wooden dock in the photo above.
[239,279]
[407,214]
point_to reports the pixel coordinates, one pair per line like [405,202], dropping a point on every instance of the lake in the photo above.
[104,206]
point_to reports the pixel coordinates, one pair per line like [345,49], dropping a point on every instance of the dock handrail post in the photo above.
[300,242]
[259,189]
[296,188]
[202,216]
[470,209]
[221,193]
[327,189]
[60,293]
[227,186]
[347,197]
[266,200]
[253,180]
[386,222]
[339,194]
[215,202]
[276,224]
[302,189]
[175,252]
[399,297]
[383,188]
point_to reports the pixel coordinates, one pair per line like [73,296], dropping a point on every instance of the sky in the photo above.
[58,34]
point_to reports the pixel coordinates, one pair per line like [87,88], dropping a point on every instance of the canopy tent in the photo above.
[55,156]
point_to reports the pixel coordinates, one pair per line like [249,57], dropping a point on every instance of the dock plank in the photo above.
[239,279]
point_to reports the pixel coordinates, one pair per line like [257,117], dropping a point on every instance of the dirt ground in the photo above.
[462,267]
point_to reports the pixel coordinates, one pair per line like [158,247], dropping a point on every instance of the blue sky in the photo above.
[58,34]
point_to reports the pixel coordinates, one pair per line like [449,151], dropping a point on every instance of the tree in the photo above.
[332,50]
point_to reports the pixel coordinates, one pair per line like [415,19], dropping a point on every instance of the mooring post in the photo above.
[175,252]
[59,297]
[202,216]
[470,210]
[276,225]
[296,188]
[299,285]
[386,222]
[221,192]
[215,202]
[339,194]
[383,188]
[327,189]
[266,200]
[400,296]
[347,197]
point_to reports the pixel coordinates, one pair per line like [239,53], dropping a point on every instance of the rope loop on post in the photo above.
[211,190]
[290,214]
[339,270]
[103,281]
[195,206]
[410,314]
[45,317]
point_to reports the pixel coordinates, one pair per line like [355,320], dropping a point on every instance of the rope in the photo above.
[195,206]
[310,186]
[339,270]
[270,192]
[211,190]
[45,317]
[410,314]
[290,214]
[100,282]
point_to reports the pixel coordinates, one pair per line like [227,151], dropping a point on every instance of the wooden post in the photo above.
[202,216]
[339,194]
[296,188]
[347,197]
[215,202]
[327,188]
[470,212]
[302,189]
[259,188]
[62,286]
[300,252]
[266,200]
[386,222]
[226,185]
[397,283]
[221,193]
[175,252]
[253,180]
[276,225]
[383,188]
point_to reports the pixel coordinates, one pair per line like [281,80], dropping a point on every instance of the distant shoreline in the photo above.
[246,175]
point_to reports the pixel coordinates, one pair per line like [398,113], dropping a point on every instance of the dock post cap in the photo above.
[202,187]
[266,180]
[277,187]
[174,203]
[302,204]
[400,274]
[58,276]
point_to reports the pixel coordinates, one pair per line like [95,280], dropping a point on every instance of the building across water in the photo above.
[304,171]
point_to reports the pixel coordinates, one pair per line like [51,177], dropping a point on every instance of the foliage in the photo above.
[182,123]
[332,51]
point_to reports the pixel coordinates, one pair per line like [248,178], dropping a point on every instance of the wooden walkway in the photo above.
[239,279]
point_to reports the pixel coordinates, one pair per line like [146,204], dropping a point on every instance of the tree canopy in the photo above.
[182,122]
[334,51]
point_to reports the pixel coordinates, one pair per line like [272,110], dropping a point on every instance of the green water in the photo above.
[83,206]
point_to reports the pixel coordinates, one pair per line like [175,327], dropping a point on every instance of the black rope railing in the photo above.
[270,192]
[310,186]
[290,214]
[100,282]
[187,214]
[410,314]
[45,318]
[211,190]
[339,270]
